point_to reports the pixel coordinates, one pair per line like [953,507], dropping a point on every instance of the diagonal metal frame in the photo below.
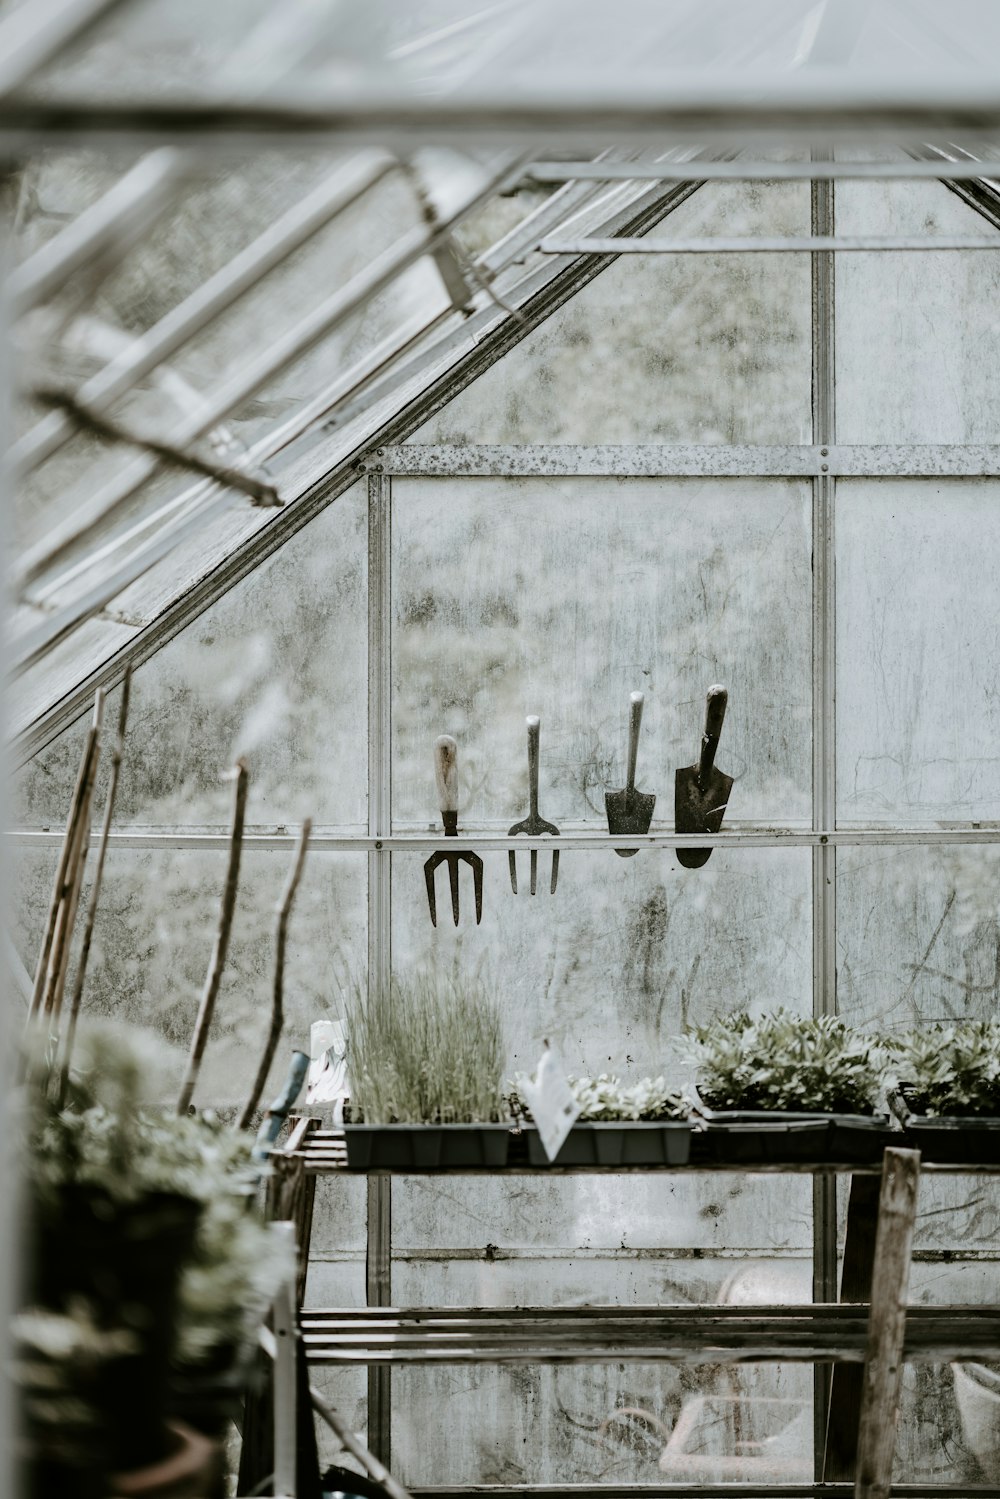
[431,381]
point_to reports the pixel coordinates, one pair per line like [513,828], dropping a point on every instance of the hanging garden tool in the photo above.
[446,772]
[533,826]
[630,812]
[701,793]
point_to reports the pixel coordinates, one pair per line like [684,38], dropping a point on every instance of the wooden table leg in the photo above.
[883,1368]
[289,1196]
[855,1285]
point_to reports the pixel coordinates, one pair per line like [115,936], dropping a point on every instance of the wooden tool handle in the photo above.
[634,720]
[533,723]
[446,772]
[715,712]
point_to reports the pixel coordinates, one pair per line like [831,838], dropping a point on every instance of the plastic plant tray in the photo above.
[423,1147]
[613,1143]
[949,1139]
[760,1136]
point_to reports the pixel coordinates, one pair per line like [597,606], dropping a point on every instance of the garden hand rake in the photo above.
[446,773]
[533,826]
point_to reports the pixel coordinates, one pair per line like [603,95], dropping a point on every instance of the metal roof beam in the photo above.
[433,379]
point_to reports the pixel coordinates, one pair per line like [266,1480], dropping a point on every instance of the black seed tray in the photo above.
[423,1147]
[630,1143]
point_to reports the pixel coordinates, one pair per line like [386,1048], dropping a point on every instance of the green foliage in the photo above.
[426,1051]
[951,1069]
[607,1098]
[109,1140]
[785,1061]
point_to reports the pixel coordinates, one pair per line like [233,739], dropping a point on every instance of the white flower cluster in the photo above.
[607,1097]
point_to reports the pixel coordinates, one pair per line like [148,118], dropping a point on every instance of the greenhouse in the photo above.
[503,694]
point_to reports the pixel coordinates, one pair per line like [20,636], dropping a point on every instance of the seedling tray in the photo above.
[629,1143]
[949,1139]
[746,1137]
[422,1147]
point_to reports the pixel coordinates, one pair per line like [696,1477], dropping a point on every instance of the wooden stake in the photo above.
[887,1323]
[283,908]
[218,959]
[69,895]
[89,749]
[95,889]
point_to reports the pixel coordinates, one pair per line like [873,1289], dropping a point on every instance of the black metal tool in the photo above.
[533,826]
[701,793]
[630,811]
[446,773]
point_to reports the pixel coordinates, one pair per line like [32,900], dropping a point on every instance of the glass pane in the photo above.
[276,671]
[918,932]
[155,927]
[661,348]
[918,679]
[918,341]
[612,976]
[560,597]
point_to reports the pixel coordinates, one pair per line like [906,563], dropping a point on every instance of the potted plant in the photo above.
[619,1124]
[784,1087]
[425,1061]
[140,1228]
[947,1093]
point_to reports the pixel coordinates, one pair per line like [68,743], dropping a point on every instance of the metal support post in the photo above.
[824,777]
[379,1255]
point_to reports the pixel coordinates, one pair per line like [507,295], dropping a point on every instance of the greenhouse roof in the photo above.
[212,346]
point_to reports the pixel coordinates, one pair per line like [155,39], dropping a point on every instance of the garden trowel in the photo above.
[629,811]
[701,793]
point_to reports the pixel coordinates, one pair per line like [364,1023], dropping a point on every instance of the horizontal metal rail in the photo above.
[685,105]
[696,1334]
[744,170]
[491,842]
[805,244]
[738,1490]
[699,460]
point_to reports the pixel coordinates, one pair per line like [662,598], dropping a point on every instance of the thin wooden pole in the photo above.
[887,1323]
[277,1001]
[95,889]
[221,946]
[69,895]
[89,750]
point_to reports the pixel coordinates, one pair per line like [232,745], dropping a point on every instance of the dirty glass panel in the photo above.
[918,661]
[153,937]
[610,968]
[560,597]
[918,339]
[275,671]
[660,348]
[605,1424]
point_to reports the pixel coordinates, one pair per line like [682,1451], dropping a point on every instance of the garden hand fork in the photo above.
[533,826]
[446,773]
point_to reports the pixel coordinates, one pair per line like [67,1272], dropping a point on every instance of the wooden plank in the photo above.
[844,1411]
[883,1373]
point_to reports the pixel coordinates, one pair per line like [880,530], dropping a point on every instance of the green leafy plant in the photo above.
[607,1098]
[112,1144]
[425,1051]
[785,1061]
[951,1069]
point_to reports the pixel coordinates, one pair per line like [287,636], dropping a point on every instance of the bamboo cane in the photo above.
[283,908]
[89,748]
[69,893]
[221,946]
[95,889]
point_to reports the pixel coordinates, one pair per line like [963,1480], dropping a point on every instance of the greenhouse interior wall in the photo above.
[852,618]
